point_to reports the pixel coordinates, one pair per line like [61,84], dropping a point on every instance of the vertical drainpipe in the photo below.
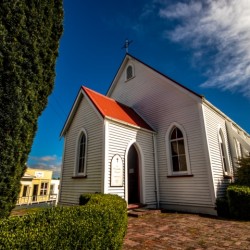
[156,171]
[105,157]
[61,174]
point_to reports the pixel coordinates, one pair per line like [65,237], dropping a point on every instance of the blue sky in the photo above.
[203,45]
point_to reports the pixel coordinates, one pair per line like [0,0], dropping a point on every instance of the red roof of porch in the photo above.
[108,107]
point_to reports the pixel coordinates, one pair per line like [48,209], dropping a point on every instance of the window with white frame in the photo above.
[52,186]
[44,188]
[129,72]
[179,162]
[238,148]
[178,159]
[81,154]
[223,153]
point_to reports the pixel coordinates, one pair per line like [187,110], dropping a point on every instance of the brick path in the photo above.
[186,231]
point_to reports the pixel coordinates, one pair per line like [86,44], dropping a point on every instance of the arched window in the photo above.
[129,72]
[177,151]
[81,154]
[223,153]
[238,148]
[179,162]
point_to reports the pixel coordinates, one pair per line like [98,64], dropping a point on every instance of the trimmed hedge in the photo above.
[222,207]
[239,201]
[116,211]
[101,224]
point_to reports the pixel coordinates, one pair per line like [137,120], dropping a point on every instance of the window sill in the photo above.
[127,80]
[181,175]
[79,177]
[228,176]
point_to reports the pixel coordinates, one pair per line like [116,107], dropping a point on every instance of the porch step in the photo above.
[136,206]
[139,212]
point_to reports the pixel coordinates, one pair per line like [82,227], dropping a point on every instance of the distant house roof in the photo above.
[28,176]
[112,109]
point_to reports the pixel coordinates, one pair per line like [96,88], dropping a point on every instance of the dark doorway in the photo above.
[35,191]
[133,176]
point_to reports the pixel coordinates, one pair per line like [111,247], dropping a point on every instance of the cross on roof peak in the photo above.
[126,44]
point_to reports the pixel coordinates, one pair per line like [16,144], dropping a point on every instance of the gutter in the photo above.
[219,112]
[129,124]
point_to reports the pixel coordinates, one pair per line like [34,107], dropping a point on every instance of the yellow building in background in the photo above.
[37,186]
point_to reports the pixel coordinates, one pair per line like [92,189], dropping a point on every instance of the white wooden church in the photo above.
[150,140]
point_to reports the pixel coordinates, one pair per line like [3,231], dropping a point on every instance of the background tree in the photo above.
[29,39]
[243,171]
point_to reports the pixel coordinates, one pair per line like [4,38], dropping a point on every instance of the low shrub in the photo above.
[84,199]
[93,226]
[222,207]
[103,199]
[115,217]
[239,201]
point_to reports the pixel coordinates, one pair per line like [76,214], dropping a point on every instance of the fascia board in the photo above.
[78,99]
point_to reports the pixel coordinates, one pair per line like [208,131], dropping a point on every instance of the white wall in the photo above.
[87,118]
[236,133]
[121,137]
[55,184]
[161,102]
[214,122]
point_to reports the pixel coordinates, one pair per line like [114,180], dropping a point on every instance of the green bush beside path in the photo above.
[100,224]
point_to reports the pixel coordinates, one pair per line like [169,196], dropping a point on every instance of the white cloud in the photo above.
[46,158]
[147,10]
[181,10]
[49,162]
[219,31]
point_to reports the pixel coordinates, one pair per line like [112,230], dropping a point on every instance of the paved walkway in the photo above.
[186,231]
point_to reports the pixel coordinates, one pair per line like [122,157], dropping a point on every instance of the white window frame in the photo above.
[126,72]
[76,170]
[51,191]
[44,188]
[238,148]
[223,148]
[169,151]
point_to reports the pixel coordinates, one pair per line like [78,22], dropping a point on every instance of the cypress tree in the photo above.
[30,31]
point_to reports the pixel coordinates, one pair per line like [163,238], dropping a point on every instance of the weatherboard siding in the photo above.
[87,118]
[161,102]
[214,122]
[120,138]
[235,133]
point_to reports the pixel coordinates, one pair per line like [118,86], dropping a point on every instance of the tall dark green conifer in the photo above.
[30,31]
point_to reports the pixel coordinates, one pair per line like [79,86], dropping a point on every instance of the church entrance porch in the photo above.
[133,175]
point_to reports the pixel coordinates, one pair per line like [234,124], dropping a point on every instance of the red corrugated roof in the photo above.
[110,108]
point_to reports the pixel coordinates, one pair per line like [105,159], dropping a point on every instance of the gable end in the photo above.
[123,67]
